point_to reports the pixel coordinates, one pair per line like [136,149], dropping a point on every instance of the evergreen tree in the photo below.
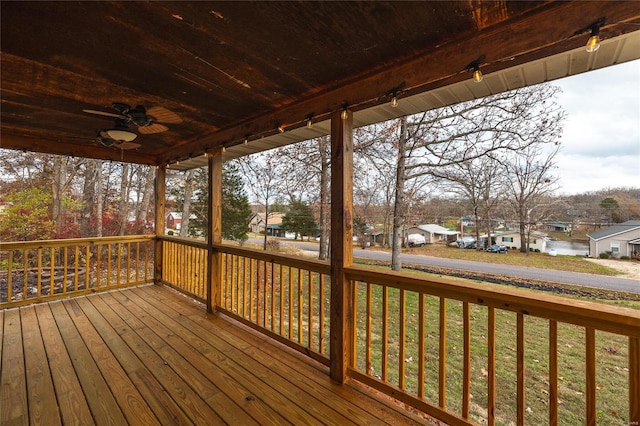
[236,213]
[299,219]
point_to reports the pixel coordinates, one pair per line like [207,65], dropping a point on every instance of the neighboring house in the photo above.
[559,226]
[621,239]
[511,239]
[433,233]
[256,224]
[174,220]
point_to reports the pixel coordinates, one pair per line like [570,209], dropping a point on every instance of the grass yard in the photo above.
[611,354]
[611,350]
[514,257]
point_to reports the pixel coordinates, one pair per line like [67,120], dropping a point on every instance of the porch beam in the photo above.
[214,229]
[541,36]
[341,237]
[160,201]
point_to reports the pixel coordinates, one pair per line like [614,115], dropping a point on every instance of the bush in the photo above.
[170,232]
[273,245]
[604,256]
[624,257]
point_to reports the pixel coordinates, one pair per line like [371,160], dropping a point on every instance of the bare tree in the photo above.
[477,182]
[307,167]
[529,182]
[186,205]
[510,121]
[261,172]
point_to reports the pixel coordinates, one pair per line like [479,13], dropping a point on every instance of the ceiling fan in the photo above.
[148,120]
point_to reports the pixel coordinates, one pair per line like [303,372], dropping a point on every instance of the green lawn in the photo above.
[612,372]
[514,257]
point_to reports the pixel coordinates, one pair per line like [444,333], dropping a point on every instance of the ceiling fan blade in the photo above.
[106,114]
[152,128]
[128,145]
[163,115]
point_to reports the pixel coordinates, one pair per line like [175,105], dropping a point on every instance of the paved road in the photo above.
[563,277]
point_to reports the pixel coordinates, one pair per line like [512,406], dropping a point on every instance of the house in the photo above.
[559,226]
[257,224]
[174,220]
[434,233]
[621,239]
[511,239]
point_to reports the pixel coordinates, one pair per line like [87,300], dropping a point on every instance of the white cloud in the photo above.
[601,138]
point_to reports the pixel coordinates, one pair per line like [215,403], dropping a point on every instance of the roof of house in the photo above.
[274,218]
[535,233]
[618,228]
[432,228]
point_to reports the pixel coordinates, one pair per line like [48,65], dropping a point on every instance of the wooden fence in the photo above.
[467,353]
[184,266]
[478,353]
[284,297]
[36,271]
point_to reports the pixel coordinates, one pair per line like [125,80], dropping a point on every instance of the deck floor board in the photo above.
[148,355]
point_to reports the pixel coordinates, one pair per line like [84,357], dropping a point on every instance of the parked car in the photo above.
[416,240]
[466,242]
[497,248]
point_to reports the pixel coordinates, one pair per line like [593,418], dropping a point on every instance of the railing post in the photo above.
[214,229]
[160,200]
[341,240]
[634,380]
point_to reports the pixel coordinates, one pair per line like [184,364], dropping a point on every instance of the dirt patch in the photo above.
[627,268]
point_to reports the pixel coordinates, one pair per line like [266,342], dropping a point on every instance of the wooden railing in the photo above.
[184,266]
[466,353]
[476,353]
[35,271]
[284,297]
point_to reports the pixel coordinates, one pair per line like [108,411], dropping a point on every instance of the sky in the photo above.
[601,136]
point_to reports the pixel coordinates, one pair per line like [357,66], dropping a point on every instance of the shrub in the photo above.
[170,232]
[273,245]
[604,256]
[624,258]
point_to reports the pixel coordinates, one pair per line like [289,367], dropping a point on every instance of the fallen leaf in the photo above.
[484,372]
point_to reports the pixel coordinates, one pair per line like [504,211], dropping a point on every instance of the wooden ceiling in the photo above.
[238,70]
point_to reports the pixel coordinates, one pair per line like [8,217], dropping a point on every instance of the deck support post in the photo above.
[341,243]
[160,201]
[214,229]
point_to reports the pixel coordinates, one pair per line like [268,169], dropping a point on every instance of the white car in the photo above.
[416,240]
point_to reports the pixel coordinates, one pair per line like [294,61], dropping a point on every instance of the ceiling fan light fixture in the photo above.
[120,135]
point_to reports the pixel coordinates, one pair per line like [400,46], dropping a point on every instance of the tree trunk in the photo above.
[399,206]
[143,211]
[57,189]
[477,223]
[324,201]
[524,246]
[88,197]
[124,199]
[186,207]
[99,198]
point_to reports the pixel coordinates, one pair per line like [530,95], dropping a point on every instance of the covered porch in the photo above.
[148,355]
[241,84]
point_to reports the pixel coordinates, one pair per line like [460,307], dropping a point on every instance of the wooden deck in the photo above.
[147,356]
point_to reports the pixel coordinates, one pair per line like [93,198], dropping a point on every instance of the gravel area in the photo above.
[628,268]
